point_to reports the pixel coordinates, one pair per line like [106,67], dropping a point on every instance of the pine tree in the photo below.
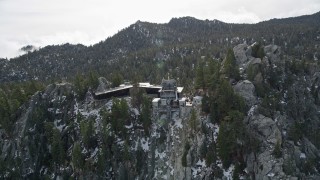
[5,110]
[257,51]
[277,150]
[224,98]
[80,86]
[211,155]
[87,133]
[193,121]
[126,153]
[136,94]
[93,81]
[185,153]
[57,149]
[200,80]
[119,115]
[77,157]
[236,172]
[116,80]
[101,164]
[231,69]
[205,104]
[139,157]
[214,75]
[146,114]
[225,144]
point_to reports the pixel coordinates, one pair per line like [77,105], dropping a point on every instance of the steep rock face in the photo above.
[26,149]
[265,128]
[55,118]
[310,150]
[247,90]
[244,58]
[166,158]
[264,164]
[273,51]
[241,52]
[293,108]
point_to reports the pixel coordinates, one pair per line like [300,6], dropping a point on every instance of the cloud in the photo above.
[9,49]
[9,46]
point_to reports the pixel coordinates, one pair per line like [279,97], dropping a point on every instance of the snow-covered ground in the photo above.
[178,123]
[199,167]
[228,173]
[145,143]
[59,127]
[160,155]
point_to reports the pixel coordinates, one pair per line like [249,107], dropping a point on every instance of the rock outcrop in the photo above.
[264,164]
[241,53]
[104,84]
[297,102]
[247,90]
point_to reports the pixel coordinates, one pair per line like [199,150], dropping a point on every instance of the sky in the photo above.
[52,22]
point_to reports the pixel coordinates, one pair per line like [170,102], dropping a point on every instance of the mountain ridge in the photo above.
[183,18]
[186,32]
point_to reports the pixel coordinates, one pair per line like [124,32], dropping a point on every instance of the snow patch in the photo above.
[228,173]
[215,132]
[130,126]
[303,156]
[94,112]
[252,109]
[172,170]
[200,165]
[178,123]
[160,155]
[84,151]
[145,144]
[270,174]
[94,152]
[58,111]
[108,105]
[59,127]
[135,111]
[154,132]
[120,142]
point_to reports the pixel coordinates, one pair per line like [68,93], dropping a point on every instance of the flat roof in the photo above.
[156,100]
[148,85]
[141,85]
[114,89]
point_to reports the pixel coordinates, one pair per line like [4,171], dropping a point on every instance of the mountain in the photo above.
[251,107]
[259,122]
[144,41]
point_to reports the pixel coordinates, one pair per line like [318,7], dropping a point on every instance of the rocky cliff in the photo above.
[57,135]
[281,116]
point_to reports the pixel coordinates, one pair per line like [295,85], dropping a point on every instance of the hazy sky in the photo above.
[47,22]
